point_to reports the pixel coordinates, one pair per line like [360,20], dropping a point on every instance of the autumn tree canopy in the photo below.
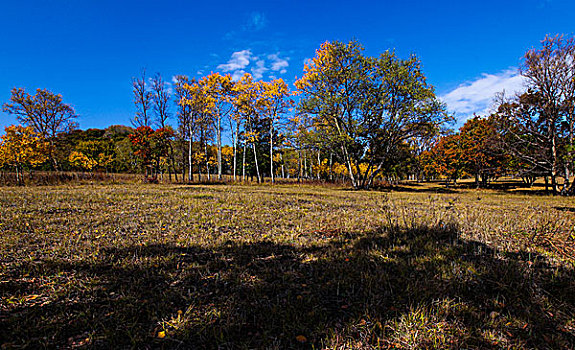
[358,117]
[365,107]
[22,147]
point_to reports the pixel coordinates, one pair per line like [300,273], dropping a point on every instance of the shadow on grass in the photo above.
[422,287]
[504,187]
[416,189]
[567,209]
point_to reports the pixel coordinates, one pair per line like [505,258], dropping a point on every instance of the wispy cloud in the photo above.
[278,64]
[476,97]
[259,70]
[237,75]
[167,84]
[252,24]
[238,61]
[256,21]
[260,65]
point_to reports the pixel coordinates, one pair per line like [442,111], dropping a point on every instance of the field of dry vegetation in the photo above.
[208,266]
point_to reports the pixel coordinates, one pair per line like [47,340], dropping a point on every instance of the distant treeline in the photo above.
[351,118]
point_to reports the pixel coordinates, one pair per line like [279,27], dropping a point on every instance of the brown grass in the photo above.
[220,266]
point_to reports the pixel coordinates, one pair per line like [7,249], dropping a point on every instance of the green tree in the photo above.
[367,107]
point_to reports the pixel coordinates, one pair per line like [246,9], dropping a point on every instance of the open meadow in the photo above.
[285,266]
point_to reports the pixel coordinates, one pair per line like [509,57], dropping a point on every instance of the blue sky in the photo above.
[89,50]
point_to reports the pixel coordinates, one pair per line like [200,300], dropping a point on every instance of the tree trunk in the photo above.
[349,167]
[173,161]
[272,151]
[17,175]
[318,165]
[244,163]
[311,176]
[207,160]
[190,158]
[299,170]
[256,161]
[219,136]
[554,160]
[235,142]
[330,166]
[305,164]
[566,186]
[477,180]
[282,164]
[183,160]
[199,161]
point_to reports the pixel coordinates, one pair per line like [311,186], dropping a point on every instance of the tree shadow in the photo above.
[504,187]
[411,189]
[420,287]
[408,189]
[567,209]
[530,192]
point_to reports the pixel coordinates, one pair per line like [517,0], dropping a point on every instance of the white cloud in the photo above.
[237,75]
[476,97]
[259,70]
[245,60]
[278,64]
[239,60]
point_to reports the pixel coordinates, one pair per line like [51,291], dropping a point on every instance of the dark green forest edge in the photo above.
[329,217]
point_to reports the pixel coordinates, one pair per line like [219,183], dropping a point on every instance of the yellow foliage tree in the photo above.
[322,169]
[274,101]
[81,161]
[217,92]
[22,147]
[228,155]
[247,94]
[90,155]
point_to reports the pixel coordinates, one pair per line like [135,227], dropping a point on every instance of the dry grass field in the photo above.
[221,266]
